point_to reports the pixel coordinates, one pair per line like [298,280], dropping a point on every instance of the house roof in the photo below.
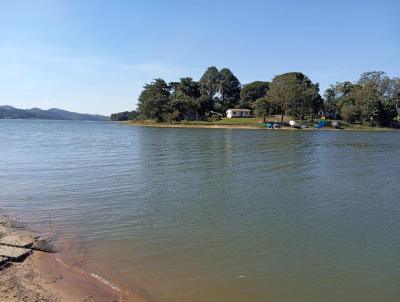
[240,110]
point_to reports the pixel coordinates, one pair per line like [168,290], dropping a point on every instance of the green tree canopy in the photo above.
[209,82]
[386,95]
[262,107]
[372,99]
[392,104]
[349,112]
[308,102]
[229,89]
[186,87]
[296,92]
[252,92]
[183,100]
[125,116]
[330,104]
[368,101]
[339,95]
[153,101]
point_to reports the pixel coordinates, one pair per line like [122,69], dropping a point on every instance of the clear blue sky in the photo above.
[95,56]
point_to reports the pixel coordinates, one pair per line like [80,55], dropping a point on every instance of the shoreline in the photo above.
[43,276]
[250,127]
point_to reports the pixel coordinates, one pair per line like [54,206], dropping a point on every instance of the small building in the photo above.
[230,113]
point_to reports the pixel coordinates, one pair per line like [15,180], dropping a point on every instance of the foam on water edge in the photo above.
[93,275]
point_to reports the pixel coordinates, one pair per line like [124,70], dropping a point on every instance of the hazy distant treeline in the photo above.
[373,99]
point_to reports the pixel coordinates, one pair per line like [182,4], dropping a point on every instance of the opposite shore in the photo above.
[211,125]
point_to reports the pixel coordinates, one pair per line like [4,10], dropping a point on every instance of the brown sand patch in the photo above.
[43,277]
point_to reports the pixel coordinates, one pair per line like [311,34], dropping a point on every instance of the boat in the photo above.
[320,124]
[293,124]
[335,124]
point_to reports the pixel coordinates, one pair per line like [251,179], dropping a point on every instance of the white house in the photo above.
[230,113]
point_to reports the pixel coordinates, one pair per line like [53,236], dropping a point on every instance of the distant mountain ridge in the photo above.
[9,112]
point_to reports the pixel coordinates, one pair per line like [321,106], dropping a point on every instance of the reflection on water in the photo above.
[213,214]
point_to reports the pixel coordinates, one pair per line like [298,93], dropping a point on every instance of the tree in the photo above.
[378,97]
[204,105]
[262,107]
[153,100]
[125,116]
[338,96]
[344,89]
[392,103]
[252,92]
[229,89]
[279,95]
[294,91]
[188,87]
[371,99]
[379,78]
[368,101]
[330,101]
[308,100]
[344,93]
[209,86]
[348,112]
[209,82]
[184,98]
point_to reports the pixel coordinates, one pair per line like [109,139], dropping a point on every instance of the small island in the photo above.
[290,101]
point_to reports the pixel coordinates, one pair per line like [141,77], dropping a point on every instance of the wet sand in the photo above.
[43,276]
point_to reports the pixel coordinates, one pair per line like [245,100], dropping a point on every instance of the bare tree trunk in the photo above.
[282,114]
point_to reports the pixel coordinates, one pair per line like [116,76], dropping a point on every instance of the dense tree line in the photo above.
[373,99]
[290,93]
[216,91]
[125,116]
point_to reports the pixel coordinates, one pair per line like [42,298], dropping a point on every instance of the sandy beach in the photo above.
[250,126]
[43,276]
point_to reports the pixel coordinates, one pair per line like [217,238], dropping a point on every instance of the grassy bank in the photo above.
[251,123]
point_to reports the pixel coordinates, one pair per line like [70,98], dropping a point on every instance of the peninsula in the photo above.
[219,99]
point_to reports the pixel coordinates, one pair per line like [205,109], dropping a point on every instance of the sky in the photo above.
[95,56]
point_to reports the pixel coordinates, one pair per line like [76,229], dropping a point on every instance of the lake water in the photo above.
[214,214]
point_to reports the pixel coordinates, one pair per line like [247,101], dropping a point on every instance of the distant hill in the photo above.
[9,112]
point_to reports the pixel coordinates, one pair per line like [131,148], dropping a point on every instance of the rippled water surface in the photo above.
[212,214]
